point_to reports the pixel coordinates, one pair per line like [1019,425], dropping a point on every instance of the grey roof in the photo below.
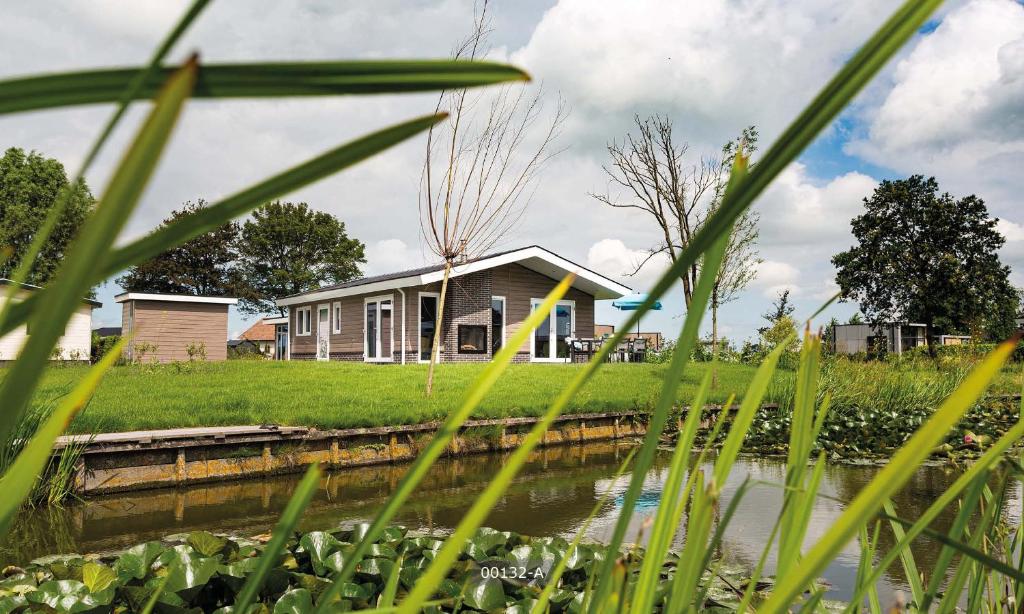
[362,281]
[7,282]
[107,331]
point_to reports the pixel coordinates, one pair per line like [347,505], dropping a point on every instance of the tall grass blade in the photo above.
[910,569]
[425,460]
[892,477]
[749,406]
[216,214]
[979,468]
[282,532]
[967,565]
[74,278]
[959,528]
[17,482]
[258,80]
[667,396]
[672,499]
[551,582]
[131,90]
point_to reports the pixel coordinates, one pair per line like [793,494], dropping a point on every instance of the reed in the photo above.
[988,569]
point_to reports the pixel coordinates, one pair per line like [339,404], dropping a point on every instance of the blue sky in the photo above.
[949,105]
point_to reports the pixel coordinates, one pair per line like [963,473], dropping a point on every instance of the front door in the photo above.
[550,340]
[323,333]
[378,329]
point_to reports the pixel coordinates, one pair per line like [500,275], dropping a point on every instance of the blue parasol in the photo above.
[632,303]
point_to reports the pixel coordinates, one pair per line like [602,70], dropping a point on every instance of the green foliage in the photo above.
[99,346]
[30,185]
[202,266]
[926,257]
[287,248]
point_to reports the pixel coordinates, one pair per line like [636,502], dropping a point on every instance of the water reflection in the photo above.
[552,496]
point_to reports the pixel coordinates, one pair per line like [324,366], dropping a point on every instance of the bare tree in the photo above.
[739,268]
[480,169]
[652,168]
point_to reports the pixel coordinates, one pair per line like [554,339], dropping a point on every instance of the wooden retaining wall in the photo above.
[117,462]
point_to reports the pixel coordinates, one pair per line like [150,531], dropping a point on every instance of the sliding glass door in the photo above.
[550,340]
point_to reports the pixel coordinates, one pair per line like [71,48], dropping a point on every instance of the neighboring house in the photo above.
[240,346]
[894,337]
[74,345]
[261,337]
[172,327]
[107,331]
[654,340]
[390,318]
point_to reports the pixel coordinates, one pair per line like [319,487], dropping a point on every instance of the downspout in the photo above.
[404,307]
[288,345]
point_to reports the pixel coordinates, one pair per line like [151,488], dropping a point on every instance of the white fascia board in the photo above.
[613,288]
[174,298]
[324,295]
[276,320]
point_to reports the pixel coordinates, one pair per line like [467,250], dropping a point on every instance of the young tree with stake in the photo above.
[480,168]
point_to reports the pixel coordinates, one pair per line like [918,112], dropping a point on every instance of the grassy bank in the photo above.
[872,403]
[343,395]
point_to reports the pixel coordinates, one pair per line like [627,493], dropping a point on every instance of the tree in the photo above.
[926,257]
[29,186]
[652,168]
[738,268]
[480,169]
[203,266]
[781,308]
[287,248]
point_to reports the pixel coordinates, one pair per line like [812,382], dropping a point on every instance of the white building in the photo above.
[894,337]
[73,346]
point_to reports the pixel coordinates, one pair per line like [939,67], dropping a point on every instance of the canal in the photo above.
[552,496]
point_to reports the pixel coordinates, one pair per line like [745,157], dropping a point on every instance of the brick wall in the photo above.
[468,302]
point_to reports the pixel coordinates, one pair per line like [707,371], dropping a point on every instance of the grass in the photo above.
[345,395]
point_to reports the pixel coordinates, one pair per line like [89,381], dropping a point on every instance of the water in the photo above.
[552,496]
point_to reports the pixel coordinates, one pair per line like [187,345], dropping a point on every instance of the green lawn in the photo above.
[340,395]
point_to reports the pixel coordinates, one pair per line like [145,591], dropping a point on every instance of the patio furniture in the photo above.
[639,351]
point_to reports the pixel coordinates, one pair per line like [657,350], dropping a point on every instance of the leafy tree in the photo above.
[856,318]
[781,308]
[287,248]
[927,257]
[203,266]
[29,186]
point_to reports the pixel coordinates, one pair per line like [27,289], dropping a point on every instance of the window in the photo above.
[497,323]
[337,318]
[303,322]
[550,340]
[428,315]
[472,339]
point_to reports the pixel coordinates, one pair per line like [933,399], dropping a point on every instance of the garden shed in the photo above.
[172,327]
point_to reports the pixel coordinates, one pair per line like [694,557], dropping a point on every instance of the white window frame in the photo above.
[419,331]
[377,299]
[504,322]
[336,317]
[304,328]
[534,303]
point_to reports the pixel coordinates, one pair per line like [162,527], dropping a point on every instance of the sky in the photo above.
[951,105]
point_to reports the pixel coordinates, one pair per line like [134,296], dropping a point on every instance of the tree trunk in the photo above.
[714,338]
[928,339]
[437,328]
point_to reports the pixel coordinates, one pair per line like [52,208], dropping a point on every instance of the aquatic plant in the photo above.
[618,581]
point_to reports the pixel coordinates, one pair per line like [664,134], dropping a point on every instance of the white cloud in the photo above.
[390,255]
[611,257]
[797,211]
[774,277]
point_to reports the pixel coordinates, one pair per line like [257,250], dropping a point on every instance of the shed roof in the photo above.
[534,257]
[174,298]
[9,282]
